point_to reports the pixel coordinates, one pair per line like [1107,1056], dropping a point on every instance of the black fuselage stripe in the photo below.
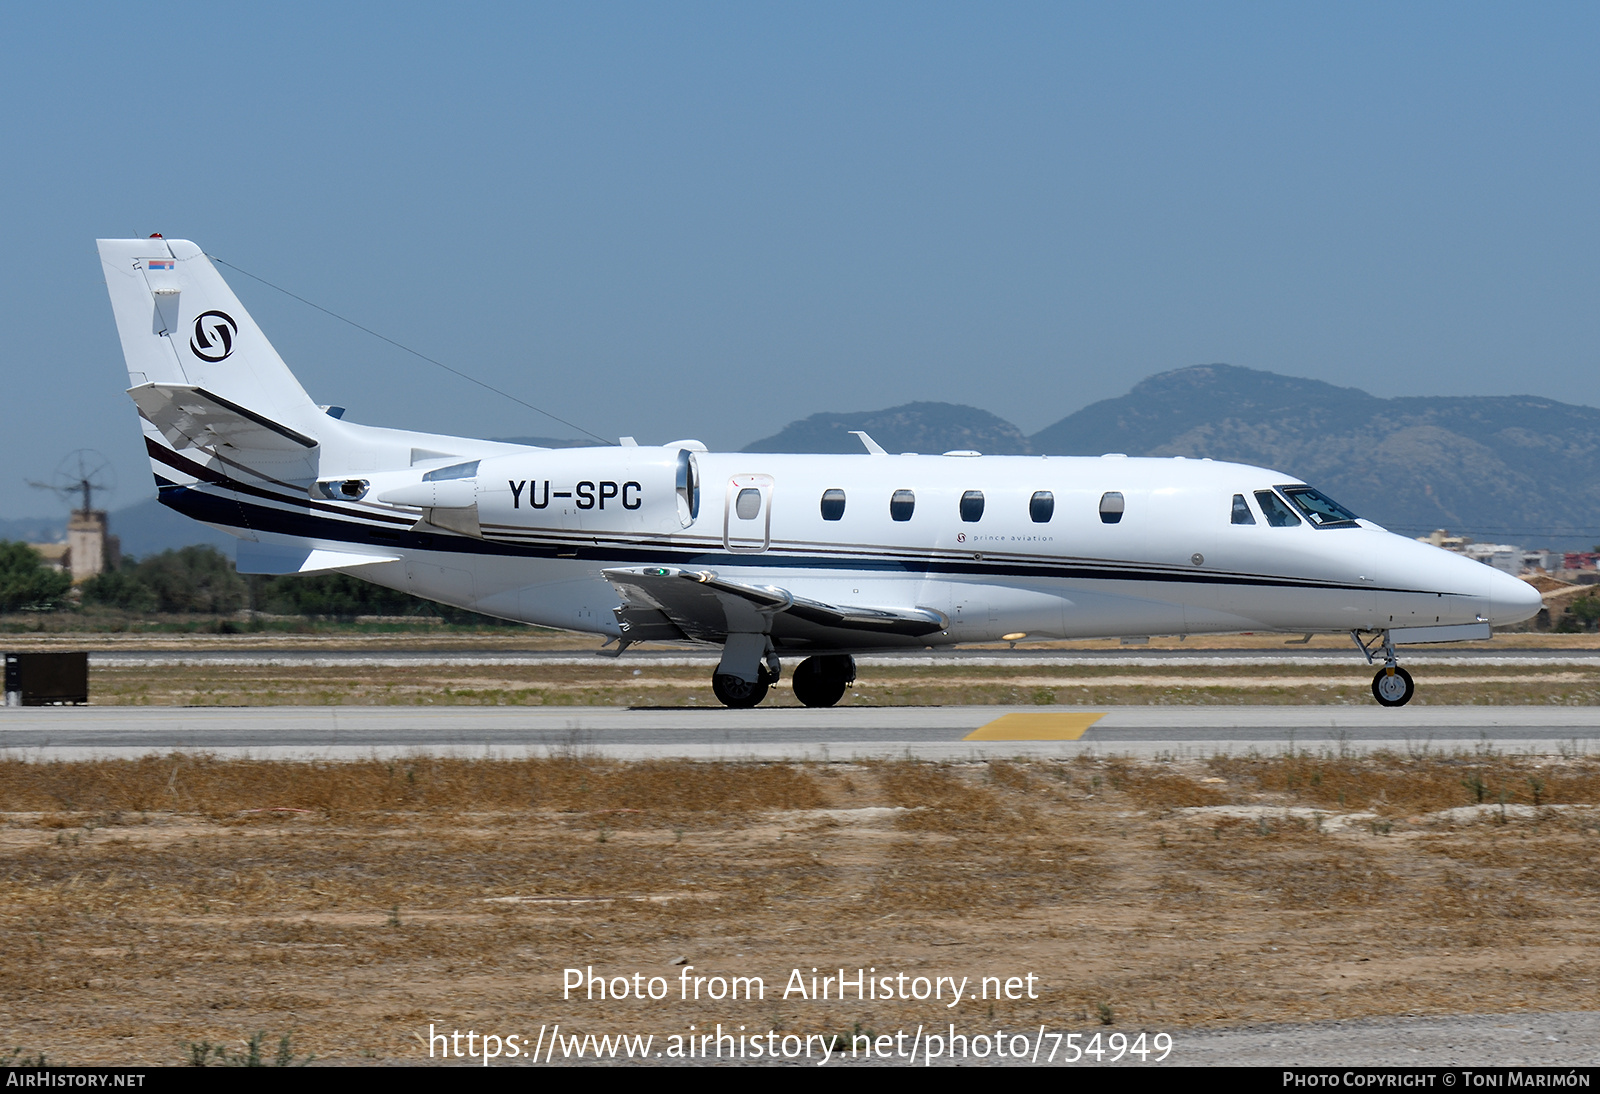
[216,478]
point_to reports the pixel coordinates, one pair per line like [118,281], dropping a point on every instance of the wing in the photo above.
[192,417]
[664,603]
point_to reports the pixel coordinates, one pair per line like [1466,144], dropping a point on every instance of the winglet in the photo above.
[872,446]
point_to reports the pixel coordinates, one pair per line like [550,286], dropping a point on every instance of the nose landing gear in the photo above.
[1392,686]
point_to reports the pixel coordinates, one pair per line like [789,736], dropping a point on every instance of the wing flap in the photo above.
[709,607]
[192,417]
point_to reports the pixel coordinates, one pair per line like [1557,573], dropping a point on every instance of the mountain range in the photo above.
[1522,469]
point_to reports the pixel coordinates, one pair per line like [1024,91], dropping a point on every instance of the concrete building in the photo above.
[1502,556]
[90,548]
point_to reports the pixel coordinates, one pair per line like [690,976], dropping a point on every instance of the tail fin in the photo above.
[181,324]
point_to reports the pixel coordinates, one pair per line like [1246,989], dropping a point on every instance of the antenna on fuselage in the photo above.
[872,446]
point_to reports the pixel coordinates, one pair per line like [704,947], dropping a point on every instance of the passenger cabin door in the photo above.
[747,514]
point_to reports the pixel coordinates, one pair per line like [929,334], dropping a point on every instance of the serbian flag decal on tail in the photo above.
[161,264]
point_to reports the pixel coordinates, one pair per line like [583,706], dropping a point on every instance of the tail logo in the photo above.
[213,336]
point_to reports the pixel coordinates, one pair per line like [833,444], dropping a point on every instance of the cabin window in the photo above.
[832,504]
[972,506]
[454,471]
[747,506]
[902,504]
[1278,514]
[1241,511]
[1111,507]
[1321,510]
[1042,506]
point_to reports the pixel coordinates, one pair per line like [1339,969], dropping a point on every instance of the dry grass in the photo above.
[1402,785]
[384,790]
[149,904]
[1286,861]
[1154,789]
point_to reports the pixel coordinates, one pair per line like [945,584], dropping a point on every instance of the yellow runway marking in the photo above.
[1035,727]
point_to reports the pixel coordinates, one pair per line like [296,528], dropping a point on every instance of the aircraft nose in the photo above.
[1511,600]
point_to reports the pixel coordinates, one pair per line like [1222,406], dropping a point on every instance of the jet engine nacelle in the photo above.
[627,490]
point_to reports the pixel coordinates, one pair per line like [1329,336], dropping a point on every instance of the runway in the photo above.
[1126,657]
[842,733]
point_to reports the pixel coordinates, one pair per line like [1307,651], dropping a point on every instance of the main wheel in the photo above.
[820,681]
[734,692]
[1393,690]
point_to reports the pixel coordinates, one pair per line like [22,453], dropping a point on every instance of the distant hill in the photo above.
[34,529]
[915,427]
[1517,468]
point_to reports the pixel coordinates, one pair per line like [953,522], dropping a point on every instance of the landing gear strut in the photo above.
[820,681]
[1392,686]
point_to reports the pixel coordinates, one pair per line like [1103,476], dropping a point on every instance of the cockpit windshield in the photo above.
[1321,510]
[1278,514]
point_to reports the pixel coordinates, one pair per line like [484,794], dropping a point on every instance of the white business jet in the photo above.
[768,556]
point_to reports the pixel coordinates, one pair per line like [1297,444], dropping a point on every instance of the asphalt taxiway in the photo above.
[840,733]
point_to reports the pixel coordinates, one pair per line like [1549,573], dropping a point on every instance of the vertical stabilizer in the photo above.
[181,324]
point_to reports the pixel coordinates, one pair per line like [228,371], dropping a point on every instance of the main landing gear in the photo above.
[1392,686]
[741,694]
[819,682]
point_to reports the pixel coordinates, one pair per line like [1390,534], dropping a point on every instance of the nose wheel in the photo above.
[1393,686]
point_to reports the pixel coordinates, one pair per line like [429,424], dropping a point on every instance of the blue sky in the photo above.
[708,220]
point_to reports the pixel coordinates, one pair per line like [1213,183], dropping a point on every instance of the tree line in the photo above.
[201,580]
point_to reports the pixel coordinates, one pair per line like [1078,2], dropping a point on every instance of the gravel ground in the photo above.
[1560,1039]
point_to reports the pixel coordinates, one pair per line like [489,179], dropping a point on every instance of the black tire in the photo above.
[734,692]
[820,681]
[1393,691]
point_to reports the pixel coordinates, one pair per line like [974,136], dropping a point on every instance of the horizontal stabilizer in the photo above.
[192,417]
[708,607]
[277,558]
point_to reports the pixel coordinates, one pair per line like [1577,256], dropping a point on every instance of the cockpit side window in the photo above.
[1278,514]
[1321,510]
[1241,511]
